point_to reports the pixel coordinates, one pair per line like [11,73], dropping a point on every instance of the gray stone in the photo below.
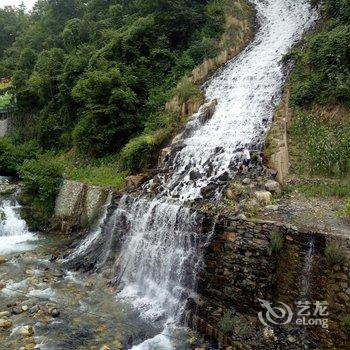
[273,187]
[68,198]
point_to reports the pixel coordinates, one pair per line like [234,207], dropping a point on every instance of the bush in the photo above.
[187,90]
[335,253]
[226,322]
[42,178]
[13,155]
[276,243]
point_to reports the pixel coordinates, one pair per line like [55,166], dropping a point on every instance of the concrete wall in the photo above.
[78,204]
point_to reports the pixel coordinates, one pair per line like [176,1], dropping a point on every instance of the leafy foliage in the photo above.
[13,155]
[95,72]
[322,73]
[42,178]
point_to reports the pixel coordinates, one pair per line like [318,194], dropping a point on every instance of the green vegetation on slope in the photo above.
[319,135]
[91,78]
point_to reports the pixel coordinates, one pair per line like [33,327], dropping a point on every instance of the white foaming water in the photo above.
[94,233]
[160,256]
[14,234]
[247,89]
[161,253]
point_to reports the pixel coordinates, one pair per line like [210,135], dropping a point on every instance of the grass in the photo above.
[276,242]
[335,253]
[226,322]
[105,173]
[326,188]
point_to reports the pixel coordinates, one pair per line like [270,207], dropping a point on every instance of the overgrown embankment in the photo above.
[92,84]
[311,134]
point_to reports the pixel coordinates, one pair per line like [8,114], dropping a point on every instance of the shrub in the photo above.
[335,253]
[42,178]
[226,322]
[13,155]
[276,243]
[187,90]
[137,154]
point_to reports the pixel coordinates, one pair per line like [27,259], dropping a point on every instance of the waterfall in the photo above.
[161,240]
[14,233]
[307,270]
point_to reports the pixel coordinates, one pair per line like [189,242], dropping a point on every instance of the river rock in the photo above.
[273,187]
[105,347]
[34,309]
[3,260]
[5,314]
[5,324]
[54,312]
[25,331]
[263,197]
[135,181]
[17,310]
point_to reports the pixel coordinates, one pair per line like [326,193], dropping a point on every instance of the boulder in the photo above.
[135,181]
[2,260]
[263,197]
[273,187]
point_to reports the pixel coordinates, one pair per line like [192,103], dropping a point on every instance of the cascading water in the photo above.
[307,270]
[162,240]
[14,233]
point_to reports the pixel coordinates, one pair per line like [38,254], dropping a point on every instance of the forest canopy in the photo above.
[93,73]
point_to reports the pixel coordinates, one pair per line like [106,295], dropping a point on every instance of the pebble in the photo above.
[17,310]
[272,207]
[25,331]
[34,309]
[5,314]
[105,347]
[5,323]
[25,308]
[54,312]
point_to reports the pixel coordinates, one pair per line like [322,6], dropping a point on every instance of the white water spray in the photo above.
[14,233]
[161,254]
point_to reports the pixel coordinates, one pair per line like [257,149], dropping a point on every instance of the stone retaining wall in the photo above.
[241,269]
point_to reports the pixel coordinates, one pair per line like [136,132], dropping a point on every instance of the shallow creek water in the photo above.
[67,310]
